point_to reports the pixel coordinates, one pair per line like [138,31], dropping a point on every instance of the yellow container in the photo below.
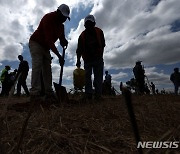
[79,78]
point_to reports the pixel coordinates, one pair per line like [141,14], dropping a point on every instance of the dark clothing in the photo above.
[49,30]
[23,67]
[107,83]
[22,82]
[108,79]
[138,72]
[22,73]
[175,78]
[97,68]
[5,83]
[153,88]
[91,45]
[140,77]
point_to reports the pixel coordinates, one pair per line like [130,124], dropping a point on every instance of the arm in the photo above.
[103,40]
[62,39]
[79,52]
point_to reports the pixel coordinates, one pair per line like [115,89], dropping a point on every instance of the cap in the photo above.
[90,18]
[64,10]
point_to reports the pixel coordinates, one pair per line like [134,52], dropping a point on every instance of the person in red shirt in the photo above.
[50,29]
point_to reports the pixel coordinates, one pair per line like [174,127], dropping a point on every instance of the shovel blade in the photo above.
[61,93]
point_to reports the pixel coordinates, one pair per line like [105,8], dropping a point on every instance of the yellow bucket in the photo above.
[79,78]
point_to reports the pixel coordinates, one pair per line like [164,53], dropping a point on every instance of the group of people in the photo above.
[140,76]
[91,43]
[8,80]
[90,47]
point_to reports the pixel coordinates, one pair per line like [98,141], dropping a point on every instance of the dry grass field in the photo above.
[88,128]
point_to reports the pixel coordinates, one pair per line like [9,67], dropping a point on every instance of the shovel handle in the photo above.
[61,72]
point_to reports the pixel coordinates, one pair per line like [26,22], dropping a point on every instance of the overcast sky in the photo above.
[147,30]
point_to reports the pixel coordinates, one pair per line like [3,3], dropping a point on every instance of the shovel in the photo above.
[61,90]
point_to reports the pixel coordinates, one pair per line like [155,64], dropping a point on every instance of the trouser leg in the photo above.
[88,80]
[98,76]
[47,73]
[37,61]
[19,87]
[176,89]
[24,85]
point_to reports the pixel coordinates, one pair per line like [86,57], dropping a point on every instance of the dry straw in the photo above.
[94,127]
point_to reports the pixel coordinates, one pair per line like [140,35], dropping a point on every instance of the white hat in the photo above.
[89,17]
[64,10]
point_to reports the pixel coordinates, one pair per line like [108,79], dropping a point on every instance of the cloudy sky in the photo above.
[147,30]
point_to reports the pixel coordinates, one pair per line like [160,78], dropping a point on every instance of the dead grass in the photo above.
[90,128]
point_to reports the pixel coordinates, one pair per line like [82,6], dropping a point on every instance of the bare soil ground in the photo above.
[88,128]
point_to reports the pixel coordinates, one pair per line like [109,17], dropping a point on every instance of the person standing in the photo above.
[4,78]
[107,82]
[175,78]
[50,29]
[139,74]
[153,87]
[91,43]
[21,75]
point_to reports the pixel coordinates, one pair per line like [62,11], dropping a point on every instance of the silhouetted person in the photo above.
[113,91]
[163,91]
[22,74]
[153,87]
[139,74]
[175,78]
[5,81]
[146,89]
[50,29]
[107,78]
[107,82]
[91,45]
[12,78]
[157,91]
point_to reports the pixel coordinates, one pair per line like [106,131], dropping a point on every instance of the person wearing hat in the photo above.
[4,78]
[90,47]
[50,29]
[139,74]
[175,78]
